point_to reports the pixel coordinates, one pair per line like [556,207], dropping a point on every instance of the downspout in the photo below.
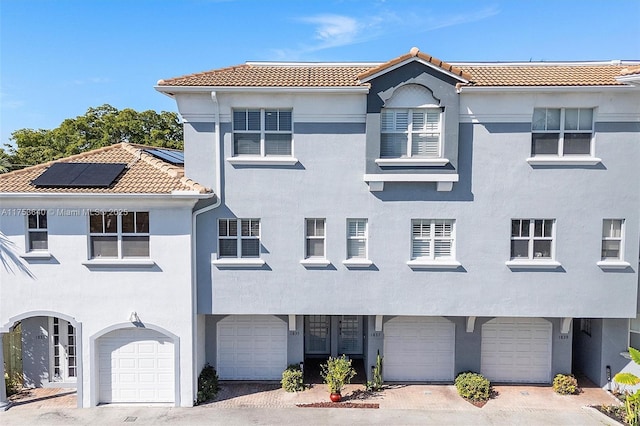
[194,233]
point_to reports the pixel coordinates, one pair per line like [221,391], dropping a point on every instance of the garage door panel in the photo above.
[136,366]
[419,349]
[251,347]
[516,350]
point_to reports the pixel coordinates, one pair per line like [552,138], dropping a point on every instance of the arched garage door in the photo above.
[419,349]
[516,350]
[136,365]
[251,347]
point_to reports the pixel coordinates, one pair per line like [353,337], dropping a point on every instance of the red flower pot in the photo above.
[335,397]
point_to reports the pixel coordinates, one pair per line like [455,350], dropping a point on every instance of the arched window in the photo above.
[411,124]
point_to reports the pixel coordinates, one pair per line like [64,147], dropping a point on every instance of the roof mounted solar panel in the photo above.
[79,175]
[169,155]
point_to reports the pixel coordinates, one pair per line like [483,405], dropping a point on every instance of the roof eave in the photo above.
[541,88]
[172,90]
[110,195]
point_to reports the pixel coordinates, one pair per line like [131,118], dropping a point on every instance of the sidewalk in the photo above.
[267,404]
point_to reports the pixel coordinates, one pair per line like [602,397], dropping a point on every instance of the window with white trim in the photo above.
[357,235]
[119,235]
[37,235]
[262,132]
[532,239]
[634,332]
[562,132]
[411,133]
[239,238]
[432,239]
[612,239]
[315,239]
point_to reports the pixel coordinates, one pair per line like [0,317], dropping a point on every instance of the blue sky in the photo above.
[58,58]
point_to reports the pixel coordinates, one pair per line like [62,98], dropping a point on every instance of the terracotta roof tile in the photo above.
[544,75]
[144,174]
[349,75]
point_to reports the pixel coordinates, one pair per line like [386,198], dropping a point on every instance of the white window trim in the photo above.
[358,262]
[119,260]
[238,259]
[533,264]
[31,253]
[560,158]
[531,239]
[411,160]
[231,262]
[619,263]
[431,261]
[274,160]
[315,260]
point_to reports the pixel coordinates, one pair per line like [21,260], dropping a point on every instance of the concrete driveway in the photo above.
[267,404]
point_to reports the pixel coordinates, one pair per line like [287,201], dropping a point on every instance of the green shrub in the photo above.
[565,384]
[292,379]
[473,387]
[207,384]
[376,383]
[337,372]
[12,383]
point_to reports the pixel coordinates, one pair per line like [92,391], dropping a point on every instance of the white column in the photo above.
[4,402]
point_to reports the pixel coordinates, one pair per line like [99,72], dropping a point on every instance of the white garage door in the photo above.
[516,350]
[136,365]
[419,349]
[251,347]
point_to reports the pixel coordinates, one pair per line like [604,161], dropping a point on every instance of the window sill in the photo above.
[613,264]
[238,263]
[551,160]
[315,263]
[36,255]
[434,264]
[357,263]
[411,162]
[533,264]
[249,160]
[115,263]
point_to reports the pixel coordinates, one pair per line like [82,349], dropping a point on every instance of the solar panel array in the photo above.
[169,155]
[79,175]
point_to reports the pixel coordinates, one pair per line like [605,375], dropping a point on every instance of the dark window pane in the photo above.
[577,143]
[38,241]
[246,144]
[270,120]
[42,221]
[544,143]
[128,222]
[285,121]
[95,223]
[542,249]
[33,221]
[610,250]
[228,248]
[250,248]
[135,246]
[110,223]
[253,120]
[277,144]
[315,248]
[519,248]
[515,228]
[142,222]
[104,247]
[239,120]
[393,145]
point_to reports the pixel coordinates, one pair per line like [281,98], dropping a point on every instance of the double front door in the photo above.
[345,331]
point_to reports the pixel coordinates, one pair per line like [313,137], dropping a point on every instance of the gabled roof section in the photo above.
[274,75]
[144,174]
[415,54]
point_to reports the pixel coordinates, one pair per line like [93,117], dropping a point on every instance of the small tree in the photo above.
[632,400]
[336,373]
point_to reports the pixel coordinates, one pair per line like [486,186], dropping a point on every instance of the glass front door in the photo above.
[317,334]
[350,335]
[62,351]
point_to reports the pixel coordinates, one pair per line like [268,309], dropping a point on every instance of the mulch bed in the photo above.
[339,405]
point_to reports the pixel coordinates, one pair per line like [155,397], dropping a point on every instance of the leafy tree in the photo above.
[99,127]
[632,400]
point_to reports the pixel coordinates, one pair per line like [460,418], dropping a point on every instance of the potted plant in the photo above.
[336,373]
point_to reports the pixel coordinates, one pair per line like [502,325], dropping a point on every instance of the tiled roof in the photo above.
[545,75]
[349,75]
[258,75]
[144,174]
[415,53]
